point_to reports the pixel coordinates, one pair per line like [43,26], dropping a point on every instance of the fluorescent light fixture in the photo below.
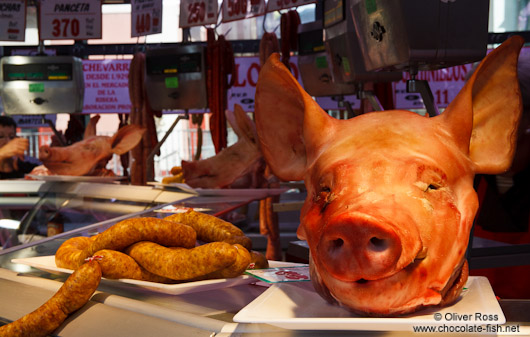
[9,223]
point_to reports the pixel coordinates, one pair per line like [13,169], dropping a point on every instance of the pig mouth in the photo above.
[64,167]
[449,294]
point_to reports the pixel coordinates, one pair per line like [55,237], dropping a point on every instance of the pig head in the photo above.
[390,199]
[82,158]
[237,166]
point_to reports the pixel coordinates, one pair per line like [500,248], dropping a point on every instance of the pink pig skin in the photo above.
[83,157]
[239,165]
[390,199]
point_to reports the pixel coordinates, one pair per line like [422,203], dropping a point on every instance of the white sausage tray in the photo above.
[47,263]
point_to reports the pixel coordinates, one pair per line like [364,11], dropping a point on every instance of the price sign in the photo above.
[197,13]
[242,9]
[276,5]
[12,20]
[146,17]
[70,19]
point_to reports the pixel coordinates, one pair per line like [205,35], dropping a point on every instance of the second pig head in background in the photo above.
[91,154]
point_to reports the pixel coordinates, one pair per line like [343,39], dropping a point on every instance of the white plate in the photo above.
[94,179]
[223,192]
[297,306]
[47,263]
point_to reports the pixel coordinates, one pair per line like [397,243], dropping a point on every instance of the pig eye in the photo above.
[432,187]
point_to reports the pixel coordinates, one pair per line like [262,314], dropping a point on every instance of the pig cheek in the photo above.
[445,238]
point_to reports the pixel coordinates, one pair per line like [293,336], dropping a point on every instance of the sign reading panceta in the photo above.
[70,19]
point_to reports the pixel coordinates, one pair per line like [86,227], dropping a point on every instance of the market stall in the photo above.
[300,198]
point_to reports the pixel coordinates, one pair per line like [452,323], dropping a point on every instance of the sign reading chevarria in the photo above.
[197,13]
[146,17]
[70,19]
[12,20]
[106,86]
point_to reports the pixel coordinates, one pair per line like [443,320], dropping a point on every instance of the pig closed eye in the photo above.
[326,196]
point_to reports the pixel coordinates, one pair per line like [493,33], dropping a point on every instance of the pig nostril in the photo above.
[378,245]
[334,247]
[337,243]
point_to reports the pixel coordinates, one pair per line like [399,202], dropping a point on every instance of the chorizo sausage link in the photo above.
[129,231]
[181,263]
[73,252]
[73,294]
[118,265]
[210,228]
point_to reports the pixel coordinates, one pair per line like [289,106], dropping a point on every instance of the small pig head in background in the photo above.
[390,199]
[84,157]
[237,166]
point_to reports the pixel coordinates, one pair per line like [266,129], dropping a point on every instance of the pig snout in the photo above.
[47,153]
[358,247]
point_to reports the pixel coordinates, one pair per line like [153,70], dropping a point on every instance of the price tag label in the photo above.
[146,17]
[70,19]
[12,20]
[198,13]
[281,274]
[276,5]
[242,9]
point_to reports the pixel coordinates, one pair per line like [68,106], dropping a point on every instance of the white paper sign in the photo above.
[281,274]
[276,5]
[197,13]
[106,86]
[70,19]
[12,20]
[444,84]
[146,17]
[242,9]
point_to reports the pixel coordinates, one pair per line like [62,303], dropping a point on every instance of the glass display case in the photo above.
[37,216]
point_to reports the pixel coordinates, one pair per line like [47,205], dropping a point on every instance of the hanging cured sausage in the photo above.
[221,64]
[142,115]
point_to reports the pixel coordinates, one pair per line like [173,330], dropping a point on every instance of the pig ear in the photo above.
[484,116]
[90,129]
[290,124]
[242,124]
[126,138]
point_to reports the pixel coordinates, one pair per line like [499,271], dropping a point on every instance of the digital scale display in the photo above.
[310,42]
[38,72]
[333,12]
[173,64]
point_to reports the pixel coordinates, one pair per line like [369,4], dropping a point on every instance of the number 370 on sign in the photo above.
[63,19]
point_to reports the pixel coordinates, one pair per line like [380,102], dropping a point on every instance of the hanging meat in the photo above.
[289,23]
[268,220]
[141,115]
[220,77]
